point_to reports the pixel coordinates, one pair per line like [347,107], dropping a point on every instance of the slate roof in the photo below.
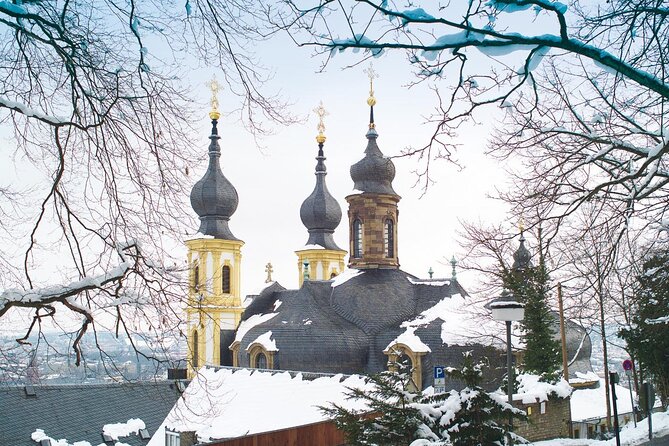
[320,212]
[214,198]
[346,328]
[78,412]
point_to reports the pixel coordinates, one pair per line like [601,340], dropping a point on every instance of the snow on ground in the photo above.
[224,403]
[629,435]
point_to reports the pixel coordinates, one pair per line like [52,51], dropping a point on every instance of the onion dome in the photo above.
[522,257]
[214,198]
[320,212]
[374,173]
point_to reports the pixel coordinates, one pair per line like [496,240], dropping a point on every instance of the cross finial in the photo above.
[269,271]
[371,101]
[321,113]
[214,87]
[453,263]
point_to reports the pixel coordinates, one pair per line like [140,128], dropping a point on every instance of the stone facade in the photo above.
[545,420]
[373,210]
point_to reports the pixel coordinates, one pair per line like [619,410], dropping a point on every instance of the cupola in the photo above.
[321,258]
[214,198]
[320,212]
[522,257]
[372,210]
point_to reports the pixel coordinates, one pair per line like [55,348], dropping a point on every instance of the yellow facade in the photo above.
[323,263]
[214,297]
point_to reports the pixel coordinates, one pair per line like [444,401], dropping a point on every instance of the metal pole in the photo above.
[612,380]
[629,383]
[650,402]
[509,374]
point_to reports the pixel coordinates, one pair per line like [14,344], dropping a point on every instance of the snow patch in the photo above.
[116,430]
[251,322]
[266,341]
[411,340]
[345,276]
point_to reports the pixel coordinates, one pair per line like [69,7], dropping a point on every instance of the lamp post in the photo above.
[507,309]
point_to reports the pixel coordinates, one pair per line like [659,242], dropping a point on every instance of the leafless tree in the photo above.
[583,86]
[96,113]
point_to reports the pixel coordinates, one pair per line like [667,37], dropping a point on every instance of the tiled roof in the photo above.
[78,412]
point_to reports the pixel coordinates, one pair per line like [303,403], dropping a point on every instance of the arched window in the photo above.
[196,277]
[260,361]
[196,349]
[225,279]
[357,238]
[388,238]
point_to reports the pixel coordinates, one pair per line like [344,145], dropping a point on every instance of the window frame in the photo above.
[357,238]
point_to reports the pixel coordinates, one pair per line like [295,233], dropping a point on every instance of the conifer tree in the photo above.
[530,285]
[398,415]
[647,336]
[390,418]
[471,416]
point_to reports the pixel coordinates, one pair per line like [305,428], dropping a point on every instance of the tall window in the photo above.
[261,361]
[357,238]
[196,349]
[388,239]
[225,279]
[196,277]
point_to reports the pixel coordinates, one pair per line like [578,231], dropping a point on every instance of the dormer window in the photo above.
[260,361]
[357,238]
[388,239]
[225,279]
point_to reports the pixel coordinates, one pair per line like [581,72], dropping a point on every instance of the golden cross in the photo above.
[321,113]
[372,75]
[214,87]
[269,271]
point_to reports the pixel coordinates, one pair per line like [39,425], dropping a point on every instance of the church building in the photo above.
[350,320]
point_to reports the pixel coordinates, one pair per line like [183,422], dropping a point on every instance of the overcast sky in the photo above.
[273,182]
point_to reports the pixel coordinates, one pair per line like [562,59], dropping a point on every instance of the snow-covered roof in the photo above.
[251,322]
[411,340]
[531,390]
[225,403]
[587,404]
[345,275]
[266,341]
[465,322]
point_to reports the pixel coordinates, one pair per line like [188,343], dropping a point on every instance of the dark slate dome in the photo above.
[320,212]
[214,198]
[522,257]
[310,336]
[374,173]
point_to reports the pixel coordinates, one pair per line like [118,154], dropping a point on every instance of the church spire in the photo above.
[320,212]
[214,198]
[321,258]
[372,207]
[522,257]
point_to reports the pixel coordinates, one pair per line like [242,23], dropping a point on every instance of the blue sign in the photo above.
[439,372]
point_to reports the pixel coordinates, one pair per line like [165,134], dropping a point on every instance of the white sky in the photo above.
[273,182]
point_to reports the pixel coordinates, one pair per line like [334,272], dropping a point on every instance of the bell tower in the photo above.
[372,210]
[214,306]
[321,258]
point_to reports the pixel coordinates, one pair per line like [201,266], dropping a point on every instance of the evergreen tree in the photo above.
[647,336]
[390,418]
[471,416]
[529,284]
[398,415]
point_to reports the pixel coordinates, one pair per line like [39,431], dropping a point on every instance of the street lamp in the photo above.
[506,308]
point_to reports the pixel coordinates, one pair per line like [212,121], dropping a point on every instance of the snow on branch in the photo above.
[61,293]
